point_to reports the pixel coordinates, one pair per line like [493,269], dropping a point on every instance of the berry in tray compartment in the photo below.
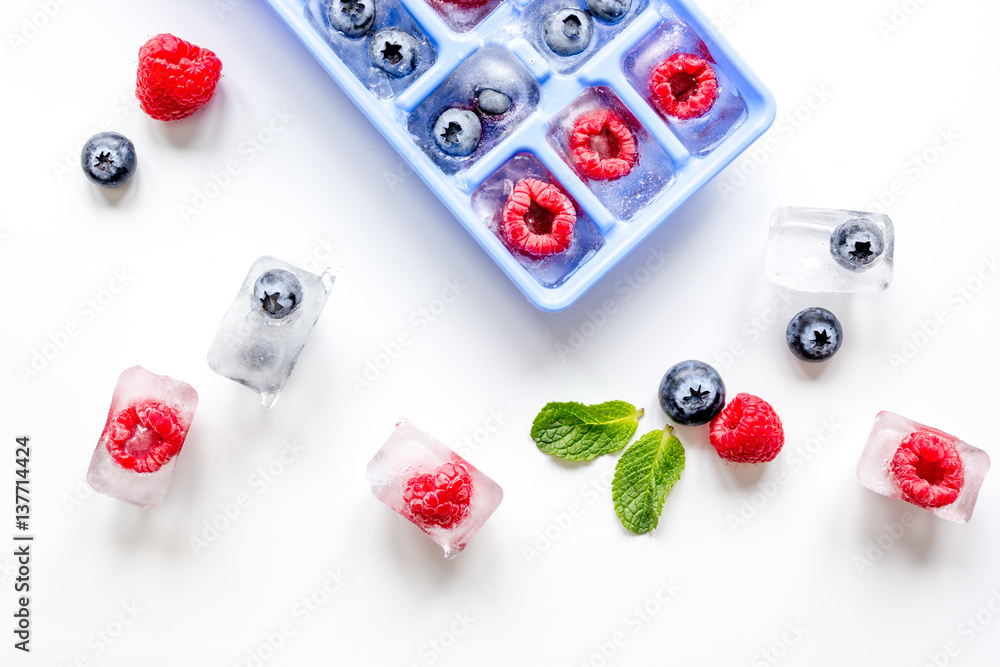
[673,70]
[491,88]
[463,15]
[377,41]
[543,228]
[567,33]
[611,152]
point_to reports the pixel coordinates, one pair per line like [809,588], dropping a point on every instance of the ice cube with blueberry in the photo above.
[145,430]
[674,71]
[830,250]
[433,487]
[926,467]
[263,332]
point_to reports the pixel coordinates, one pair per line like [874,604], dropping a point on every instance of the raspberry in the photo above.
[747,431]
[145,435]
[441,498]
[685,86]
[928,469]
[602,146]
[538,218]
[175,78]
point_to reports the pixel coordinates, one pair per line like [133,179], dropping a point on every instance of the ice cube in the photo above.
[490,198]
[701,132]
[651,172]
[436,489]
[828,250]
[261,336]
[906,460]
[147,424]
[463,15]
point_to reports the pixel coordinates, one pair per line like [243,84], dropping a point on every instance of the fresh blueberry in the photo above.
[394,51]
[856,244]
[609,11]
[108,159]
[354,18]
[277,292]
[493,102]
[692,393]
[567,31]
[457,132]
[814,335]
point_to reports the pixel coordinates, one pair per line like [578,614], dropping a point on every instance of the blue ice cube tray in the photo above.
[505,36]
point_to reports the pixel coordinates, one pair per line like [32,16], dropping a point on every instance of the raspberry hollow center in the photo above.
[539,219]
[682,86]
[605,144]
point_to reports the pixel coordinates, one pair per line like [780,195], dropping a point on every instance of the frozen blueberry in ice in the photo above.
[856,244]
[493,101]
[692,393]
[567,31]
[394,51]
[108,159]
[354,18]
[814,335]
[278,292]
[457,131]
[609,11]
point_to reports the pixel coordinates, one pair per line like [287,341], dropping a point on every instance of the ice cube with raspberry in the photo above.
[433,487]
[926,467]
[262,334]
[146,428]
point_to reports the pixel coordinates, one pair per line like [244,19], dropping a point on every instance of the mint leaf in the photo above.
[578,432]
[644,476]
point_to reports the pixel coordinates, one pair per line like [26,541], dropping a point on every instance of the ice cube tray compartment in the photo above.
[406,108]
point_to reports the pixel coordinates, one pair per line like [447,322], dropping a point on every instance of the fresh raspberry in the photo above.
[602,146]
[176,78]
[928,469]
[747,431]
[685,86]
[538,218]
[145,435]
[441,498]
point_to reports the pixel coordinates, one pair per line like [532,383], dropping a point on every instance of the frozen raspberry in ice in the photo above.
[602,146]
[436,489]
[146,427]
[926,467]
[538,218]
[685,86]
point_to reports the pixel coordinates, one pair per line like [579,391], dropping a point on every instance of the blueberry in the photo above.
[814,335]
[354,18]
[108,159]
[856,244]
[567,31]
[692,393]
[493,102]
[457,132]
[277,293]
[394,51]
[609,11]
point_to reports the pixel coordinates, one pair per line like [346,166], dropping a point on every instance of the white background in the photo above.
[817,552]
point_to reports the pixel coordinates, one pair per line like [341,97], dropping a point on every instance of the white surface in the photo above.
[327,186]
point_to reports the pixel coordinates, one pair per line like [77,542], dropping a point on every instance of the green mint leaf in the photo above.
[644,476]
[578,432]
